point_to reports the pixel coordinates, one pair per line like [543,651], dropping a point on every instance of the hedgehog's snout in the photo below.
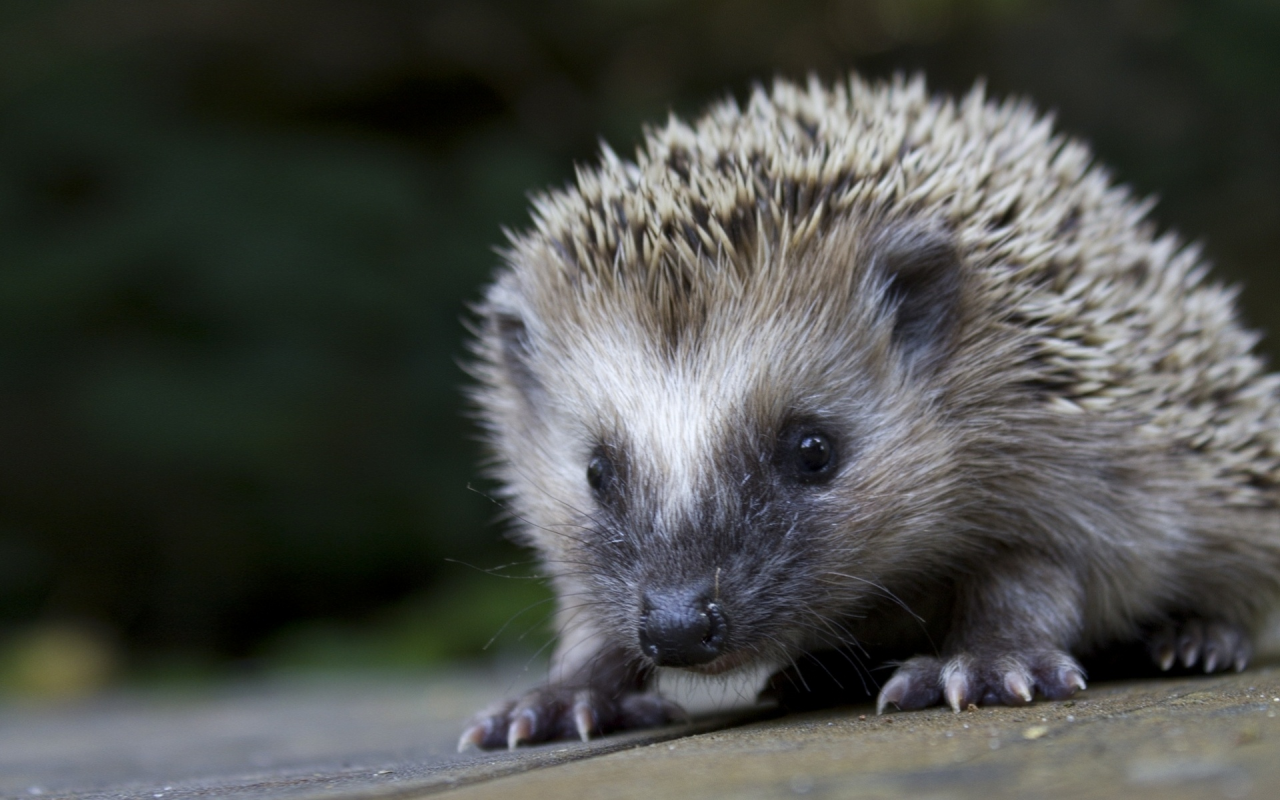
[681,628]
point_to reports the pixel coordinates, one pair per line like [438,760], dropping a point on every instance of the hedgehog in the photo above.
[895,393]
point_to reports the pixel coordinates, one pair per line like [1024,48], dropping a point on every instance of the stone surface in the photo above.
[286,738]
[1189,737]
[1169,738]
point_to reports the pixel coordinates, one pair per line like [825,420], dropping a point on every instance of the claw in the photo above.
[1211,660]
[956,688]
[1243,652]
[1190,644]
[893,692]
[583,719]
[1164,648]
[1190,654]
[1017,685]
[1075,677]
[473,737]
[521,728]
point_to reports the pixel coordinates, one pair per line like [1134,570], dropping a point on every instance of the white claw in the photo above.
[1191,641]
[957,685]
[521,728]
[472,738]
[583,718]
[893,692]
[1076,679]
[1211,661]
[1167,655]
[1243,652]
[1016,683]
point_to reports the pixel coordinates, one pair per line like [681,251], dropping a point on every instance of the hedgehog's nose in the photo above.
[681,629]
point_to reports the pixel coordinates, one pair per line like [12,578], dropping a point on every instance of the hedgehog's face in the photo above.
[706,487]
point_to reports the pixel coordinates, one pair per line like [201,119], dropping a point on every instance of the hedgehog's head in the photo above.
[708,452]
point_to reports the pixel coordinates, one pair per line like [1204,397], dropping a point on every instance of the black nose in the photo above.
[681,629]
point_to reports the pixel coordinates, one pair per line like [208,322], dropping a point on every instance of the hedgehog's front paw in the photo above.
[563,712]
[1010,679]
[1216,645]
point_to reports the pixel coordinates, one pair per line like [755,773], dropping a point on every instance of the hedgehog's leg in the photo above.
[600,692]
[1217,645]
[1010,640]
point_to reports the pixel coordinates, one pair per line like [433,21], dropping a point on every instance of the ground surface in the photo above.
[1171,738]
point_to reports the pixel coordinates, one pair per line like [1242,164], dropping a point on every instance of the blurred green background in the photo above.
[238,238]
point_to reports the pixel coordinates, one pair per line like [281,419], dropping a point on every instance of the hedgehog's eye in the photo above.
[814,451]
[599,472]
[812,456]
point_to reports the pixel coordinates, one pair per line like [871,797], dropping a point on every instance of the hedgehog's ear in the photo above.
[515,351]
[918,272]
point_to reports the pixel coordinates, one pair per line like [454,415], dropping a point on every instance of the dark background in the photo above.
[237,241]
